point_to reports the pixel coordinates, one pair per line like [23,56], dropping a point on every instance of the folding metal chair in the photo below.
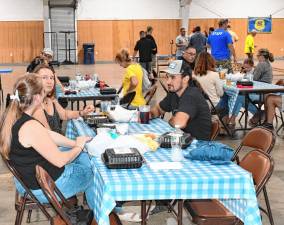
[28,201]
[211,211]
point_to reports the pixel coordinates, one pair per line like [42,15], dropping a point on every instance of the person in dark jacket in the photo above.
[145,47]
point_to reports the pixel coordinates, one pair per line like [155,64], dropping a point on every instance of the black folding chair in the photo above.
[215,112]
[127,99]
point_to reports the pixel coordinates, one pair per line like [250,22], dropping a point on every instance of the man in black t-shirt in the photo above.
[188,106]
[146,48]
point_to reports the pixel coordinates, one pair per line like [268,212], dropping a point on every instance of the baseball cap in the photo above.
[177,67]
[48,51]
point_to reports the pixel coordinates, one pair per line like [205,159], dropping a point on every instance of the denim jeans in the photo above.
[147,66]
[240,103]
[75,178]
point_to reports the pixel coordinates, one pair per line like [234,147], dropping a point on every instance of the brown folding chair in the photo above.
[263,139]
[215,129]
[28,201]
[257,138]
[211,211]
[150,93]
[51,192]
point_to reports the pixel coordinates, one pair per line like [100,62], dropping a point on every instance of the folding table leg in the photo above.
[143,212]
[72,105]
[180,207]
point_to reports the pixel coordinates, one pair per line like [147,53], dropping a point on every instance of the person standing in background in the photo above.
[198,40]
[249,44]
[132,77]
[182,42]
[211,29]
[150,37]
[145,47]
[222,47]
[235,37]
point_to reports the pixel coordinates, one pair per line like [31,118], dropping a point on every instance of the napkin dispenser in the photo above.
[165,140]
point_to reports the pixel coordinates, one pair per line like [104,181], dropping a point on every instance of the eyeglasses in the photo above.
[190,53]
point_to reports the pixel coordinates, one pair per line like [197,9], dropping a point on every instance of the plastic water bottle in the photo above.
[78,76]
[176,144]
[250,77]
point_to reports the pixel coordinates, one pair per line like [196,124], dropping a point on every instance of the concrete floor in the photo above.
[112,75]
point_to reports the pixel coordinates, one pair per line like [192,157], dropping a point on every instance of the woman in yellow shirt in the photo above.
[132,78]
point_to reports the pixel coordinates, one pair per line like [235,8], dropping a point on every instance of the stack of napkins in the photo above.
[165,165]
[105,140]
[85,84]
[120,114]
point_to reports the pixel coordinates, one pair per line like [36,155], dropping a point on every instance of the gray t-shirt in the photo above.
[263,72]
[198,41]
[194,104]
[184,40]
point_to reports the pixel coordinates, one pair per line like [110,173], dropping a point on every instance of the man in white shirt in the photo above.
[182,42]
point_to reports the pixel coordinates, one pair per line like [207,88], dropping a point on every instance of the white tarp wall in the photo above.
[21,10]
[236,8]
[127,9]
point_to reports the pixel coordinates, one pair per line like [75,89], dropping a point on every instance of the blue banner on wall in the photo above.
[260,24]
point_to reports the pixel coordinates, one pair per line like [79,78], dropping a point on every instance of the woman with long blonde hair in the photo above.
[25,142]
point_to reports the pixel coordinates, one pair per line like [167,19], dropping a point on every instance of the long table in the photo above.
[85,95]
[260,88]
[230,184]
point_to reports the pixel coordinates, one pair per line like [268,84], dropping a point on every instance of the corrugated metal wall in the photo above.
[62,21]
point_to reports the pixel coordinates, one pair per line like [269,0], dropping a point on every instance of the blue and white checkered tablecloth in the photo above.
[232,185]
[83,93]
[233,91]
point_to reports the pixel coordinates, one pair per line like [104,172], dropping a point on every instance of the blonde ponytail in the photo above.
[11,114]
[24,91]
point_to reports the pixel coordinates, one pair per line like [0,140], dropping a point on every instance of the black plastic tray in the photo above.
[122,161]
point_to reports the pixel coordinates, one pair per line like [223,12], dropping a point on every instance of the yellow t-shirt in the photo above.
[249,44]
[134,70]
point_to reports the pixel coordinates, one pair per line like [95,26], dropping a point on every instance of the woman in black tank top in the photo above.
[25,148]
[51,112]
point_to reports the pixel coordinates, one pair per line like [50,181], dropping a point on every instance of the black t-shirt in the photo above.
[150,37]
[145,47]
[194,104]
[26,159]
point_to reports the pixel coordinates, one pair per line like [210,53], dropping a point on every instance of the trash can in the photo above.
[89,50]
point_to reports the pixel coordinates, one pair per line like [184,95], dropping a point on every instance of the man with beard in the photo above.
[189,108]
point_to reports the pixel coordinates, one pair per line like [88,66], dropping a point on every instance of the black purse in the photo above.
[79,216]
